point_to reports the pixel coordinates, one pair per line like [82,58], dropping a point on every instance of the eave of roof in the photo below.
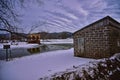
[107,17]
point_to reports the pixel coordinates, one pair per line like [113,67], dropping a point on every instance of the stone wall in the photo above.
[114,37]
[101,39]
[95,42]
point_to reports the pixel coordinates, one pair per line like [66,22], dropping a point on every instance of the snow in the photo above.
[57,41]
[117,55]
[20,45]
[101,69]
[36,66]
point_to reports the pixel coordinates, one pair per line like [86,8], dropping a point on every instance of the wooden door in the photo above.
[81,45]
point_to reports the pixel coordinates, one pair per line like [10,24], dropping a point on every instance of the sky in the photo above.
[65,15]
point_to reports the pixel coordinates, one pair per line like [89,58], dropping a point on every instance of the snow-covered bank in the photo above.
[57,41]
[102,69]
[20,45]
[36,66]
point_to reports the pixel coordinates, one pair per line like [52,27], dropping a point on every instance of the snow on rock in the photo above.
[117,56]
[35,66]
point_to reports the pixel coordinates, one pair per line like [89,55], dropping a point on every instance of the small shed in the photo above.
[34,38]
[98,40]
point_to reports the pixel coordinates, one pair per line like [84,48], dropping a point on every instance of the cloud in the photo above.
[69,15]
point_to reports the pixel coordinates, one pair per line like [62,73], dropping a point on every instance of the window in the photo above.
[81,44]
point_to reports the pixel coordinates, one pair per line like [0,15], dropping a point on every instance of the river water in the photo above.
[20,52]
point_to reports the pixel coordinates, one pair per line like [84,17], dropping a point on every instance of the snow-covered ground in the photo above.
[36,66]
[57,41]
[39,65]
[101,69]
[20,45]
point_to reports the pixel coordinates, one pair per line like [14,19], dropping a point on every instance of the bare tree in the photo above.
[35,26]
[8,15]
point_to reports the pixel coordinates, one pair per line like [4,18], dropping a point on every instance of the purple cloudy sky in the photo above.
[66,15]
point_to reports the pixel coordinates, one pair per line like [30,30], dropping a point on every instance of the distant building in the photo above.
[4,38]
[34,38]
[15,37]
[98,40]
[18,36]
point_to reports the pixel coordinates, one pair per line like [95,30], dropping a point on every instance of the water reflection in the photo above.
[34,50]
[42,48]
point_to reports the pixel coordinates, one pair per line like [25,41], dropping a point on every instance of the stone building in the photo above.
[98,40]
[34,38]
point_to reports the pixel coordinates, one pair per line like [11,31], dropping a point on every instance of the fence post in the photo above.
[6,47]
